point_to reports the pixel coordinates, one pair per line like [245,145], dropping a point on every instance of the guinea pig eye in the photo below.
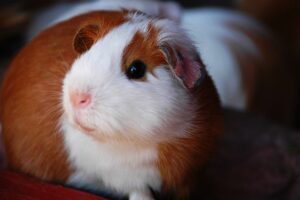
[136,70]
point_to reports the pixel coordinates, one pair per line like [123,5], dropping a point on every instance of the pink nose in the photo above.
[80,99]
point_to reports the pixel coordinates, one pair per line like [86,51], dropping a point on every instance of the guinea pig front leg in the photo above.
[141,195]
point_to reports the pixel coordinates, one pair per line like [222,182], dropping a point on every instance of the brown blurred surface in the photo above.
[15,186]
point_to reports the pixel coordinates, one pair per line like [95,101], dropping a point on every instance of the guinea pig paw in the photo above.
[141,195]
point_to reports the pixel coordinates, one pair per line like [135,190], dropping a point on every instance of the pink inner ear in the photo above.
[188,70]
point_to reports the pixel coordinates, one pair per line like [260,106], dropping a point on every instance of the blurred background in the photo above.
[275,94]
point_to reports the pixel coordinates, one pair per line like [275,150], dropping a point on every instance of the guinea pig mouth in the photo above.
[80,125]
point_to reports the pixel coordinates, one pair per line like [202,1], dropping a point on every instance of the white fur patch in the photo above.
[154,110]
[110,166]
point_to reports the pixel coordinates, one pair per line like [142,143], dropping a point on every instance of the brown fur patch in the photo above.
[144,47]
[31,97]
[180,161]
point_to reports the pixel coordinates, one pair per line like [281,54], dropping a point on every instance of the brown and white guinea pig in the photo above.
[112,100]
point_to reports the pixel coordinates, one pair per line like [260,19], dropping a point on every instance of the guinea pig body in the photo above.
[111,100]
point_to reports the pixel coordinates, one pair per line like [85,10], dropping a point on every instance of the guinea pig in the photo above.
[111,100]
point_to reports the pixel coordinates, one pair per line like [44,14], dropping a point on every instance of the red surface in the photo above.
[14,186]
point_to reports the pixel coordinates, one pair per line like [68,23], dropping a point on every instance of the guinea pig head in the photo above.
[135,81]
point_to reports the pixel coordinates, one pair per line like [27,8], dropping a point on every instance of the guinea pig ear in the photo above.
[185,64]
[85,38]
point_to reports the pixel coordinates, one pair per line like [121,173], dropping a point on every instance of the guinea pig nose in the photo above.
[80,99]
